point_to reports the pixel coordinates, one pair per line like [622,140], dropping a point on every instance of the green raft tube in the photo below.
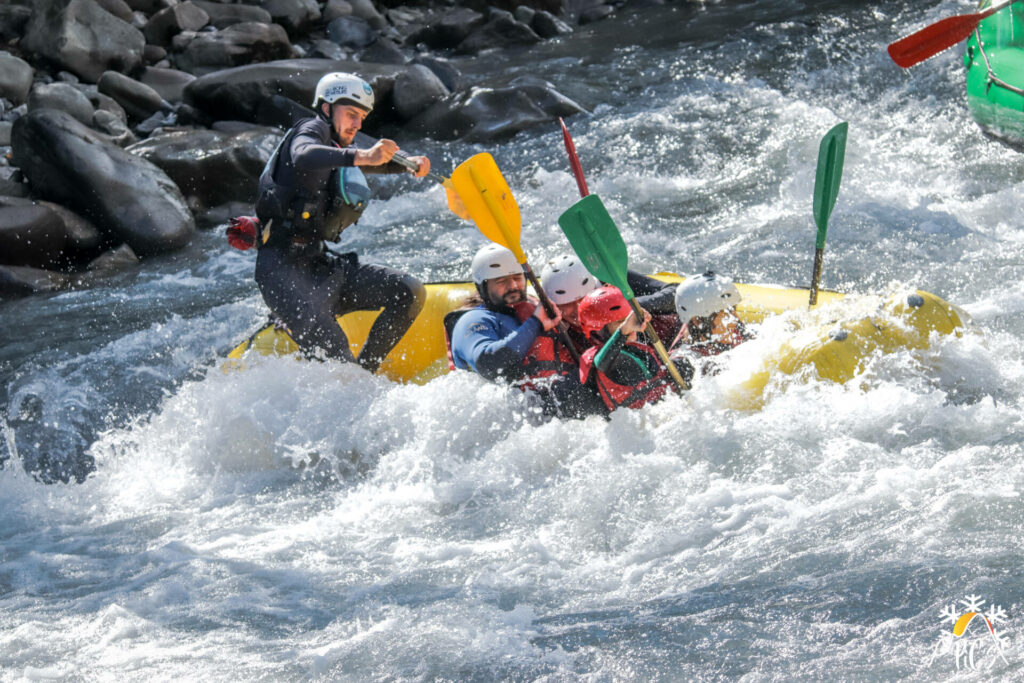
[995,74]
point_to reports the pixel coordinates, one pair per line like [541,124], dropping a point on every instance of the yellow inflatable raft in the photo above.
[836,348]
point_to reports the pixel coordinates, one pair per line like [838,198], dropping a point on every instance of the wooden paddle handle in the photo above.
[816,276]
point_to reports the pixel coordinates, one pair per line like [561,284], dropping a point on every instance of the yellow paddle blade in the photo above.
[455,204]
[489,201]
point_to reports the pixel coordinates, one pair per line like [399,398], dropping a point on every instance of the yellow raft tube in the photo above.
[835,348]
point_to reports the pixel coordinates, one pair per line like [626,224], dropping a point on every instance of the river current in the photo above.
[305,521]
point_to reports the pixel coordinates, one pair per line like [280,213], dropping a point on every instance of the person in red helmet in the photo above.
[627,373]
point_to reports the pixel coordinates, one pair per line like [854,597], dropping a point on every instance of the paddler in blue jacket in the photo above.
[508,337]
[313,188]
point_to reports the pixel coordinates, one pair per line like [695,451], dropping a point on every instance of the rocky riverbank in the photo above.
[125,124]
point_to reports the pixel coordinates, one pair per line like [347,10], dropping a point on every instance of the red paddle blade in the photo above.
[933,39]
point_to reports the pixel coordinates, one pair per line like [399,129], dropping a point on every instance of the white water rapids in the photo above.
[306,521]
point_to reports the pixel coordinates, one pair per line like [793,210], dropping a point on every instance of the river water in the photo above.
[308,521]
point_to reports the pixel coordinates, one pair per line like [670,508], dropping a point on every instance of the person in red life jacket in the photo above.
[311,189]
[508,337]
[567,281]
[626,372]
[707,304]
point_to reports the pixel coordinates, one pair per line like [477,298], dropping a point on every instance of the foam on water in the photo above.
[306,520]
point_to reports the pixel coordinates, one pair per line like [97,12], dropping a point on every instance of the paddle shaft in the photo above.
[659,348]
[652,334]
[816,276]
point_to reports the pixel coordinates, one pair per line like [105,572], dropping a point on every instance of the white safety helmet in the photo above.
[566,279]
[494,261]
[704,295]
[344,88]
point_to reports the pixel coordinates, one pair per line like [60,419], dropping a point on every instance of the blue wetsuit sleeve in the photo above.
[490,351]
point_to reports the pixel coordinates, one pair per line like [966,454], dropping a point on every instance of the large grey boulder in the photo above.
[352,31]
[447,31]
[62,96]
[222,16]
[18,281]
[127,197]
[83,38]
[486,115]
[364,9]
[137,99]
[44,235]
[416,89]
[295,15]
[15,78]
[168,83]
[238,93]
[169,22]
[227,169]
[501,31]
[238,44]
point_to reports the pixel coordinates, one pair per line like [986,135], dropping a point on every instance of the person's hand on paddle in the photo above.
[631,326]
[378,155]
[422,166]
[546,320]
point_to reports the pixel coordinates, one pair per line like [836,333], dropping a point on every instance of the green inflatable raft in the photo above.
[995,74]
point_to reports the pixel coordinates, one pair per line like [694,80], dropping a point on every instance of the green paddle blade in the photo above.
[826,181]
[596,240]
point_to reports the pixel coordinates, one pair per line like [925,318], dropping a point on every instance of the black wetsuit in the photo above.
[302,282]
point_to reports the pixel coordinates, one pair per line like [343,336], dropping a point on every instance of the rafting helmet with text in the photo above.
[565,279]
[344,88]
[703,295]
[602,306]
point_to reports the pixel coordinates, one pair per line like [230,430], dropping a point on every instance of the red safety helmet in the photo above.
[602,306]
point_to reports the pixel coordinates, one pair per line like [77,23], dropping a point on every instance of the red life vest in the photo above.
[547,356]
[614,395]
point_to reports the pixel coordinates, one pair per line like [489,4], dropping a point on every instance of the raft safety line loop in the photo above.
[992,78]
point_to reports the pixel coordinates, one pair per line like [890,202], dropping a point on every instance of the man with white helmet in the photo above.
[507,336]
[706,305]
[311,189]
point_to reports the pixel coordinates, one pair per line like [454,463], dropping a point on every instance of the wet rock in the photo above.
[595,13]
[12,183]
[148,7]
[547,25]
[119,8]
[443,69]
[524,14]
[5,133]
[13,19]
[212,167]
[114,261]
[336,8]
[325,49]
[296,16]
[15,78]
[416,89]
[127,197]
[222,16]
[238,93]
[364,9]
[449,30]
[62,96]
[167,23]
[501,31]
[18,281]
[351,31]
[138,99]
[238,44]
[101,102]
[485,115]
[43,235]
[151,54]
[113,127]
[384,51]
[221,214]
[168,83]
[84,38]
